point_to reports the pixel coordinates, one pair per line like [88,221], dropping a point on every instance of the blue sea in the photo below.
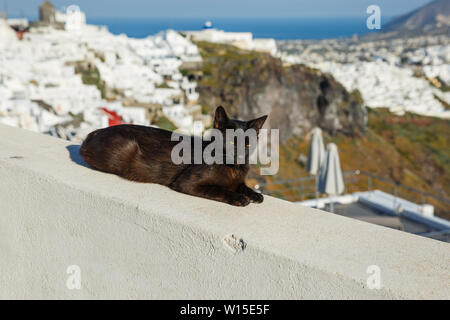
[277,28]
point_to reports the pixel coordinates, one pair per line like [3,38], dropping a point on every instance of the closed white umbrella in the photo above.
[316,154]
[330,176]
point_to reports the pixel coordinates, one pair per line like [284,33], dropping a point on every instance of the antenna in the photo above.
[5,4]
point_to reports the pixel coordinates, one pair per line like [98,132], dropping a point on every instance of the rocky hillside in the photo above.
[297,98]
[435,14]
[411,150]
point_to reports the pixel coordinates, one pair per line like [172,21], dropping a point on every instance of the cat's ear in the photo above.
[220,118]
[256,123]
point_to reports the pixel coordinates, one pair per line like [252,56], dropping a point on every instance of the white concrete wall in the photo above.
[136,240]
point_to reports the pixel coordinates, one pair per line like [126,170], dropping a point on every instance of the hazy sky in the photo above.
[216,8]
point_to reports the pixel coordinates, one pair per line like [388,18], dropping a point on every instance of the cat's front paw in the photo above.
[239,200]
[257,197]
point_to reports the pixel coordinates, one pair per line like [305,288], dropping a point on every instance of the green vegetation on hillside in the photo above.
[162,85]
[422,141]
[411,150]
[165,124]
[213,53]
[91,76]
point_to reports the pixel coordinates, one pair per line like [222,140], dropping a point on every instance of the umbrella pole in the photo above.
[317,191]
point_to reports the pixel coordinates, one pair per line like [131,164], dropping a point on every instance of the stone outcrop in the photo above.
[296,97]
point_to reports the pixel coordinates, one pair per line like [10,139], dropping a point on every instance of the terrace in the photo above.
[134,240]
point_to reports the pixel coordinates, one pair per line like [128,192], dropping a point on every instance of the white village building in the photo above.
[243,40]
[40,90]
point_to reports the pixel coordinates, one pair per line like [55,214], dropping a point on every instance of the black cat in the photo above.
[143,154]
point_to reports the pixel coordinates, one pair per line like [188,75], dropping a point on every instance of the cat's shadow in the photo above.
[75,156]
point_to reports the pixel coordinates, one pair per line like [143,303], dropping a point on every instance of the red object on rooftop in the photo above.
[113,118]
[20,34]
